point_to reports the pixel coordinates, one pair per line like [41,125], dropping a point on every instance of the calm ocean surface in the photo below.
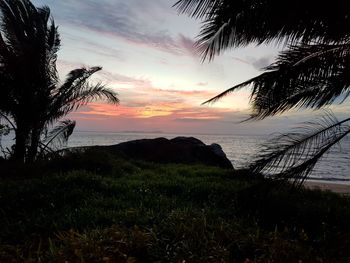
[240,149]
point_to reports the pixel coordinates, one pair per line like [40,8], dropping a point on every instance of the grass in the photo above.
[94,207]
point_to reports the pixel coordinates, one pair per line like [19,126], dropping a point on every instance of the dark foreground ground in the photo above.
[95,208]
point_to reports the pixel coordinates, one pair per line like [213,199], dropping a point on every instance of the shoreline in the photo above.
[338,188]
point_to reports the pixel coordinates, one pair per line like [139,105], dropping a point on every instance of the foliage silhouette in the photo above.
[33,99]
[311,72]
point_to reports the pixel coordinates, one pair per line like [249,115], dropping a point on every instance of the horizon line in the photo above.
[172,133]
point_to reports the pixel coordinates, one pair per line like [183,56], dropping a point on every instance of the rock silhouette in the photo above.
[187,150]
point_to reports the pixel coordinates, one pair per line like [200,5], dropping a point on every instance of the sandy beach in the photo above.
[334,187]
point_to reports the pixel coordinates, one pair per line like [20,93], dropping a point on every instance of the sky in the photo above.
[147,54]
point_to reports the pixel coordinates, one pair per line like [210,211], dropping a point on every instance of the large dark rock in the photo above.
[186,150]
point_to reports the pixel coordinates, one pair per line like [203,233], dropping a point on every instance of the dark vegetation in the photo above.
[94,207]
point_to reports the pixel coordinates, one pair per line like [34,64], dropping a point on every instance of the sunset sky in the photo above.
[146,51]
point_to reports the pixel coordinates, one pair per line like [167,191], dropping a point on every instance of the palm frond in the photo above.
[76,92]
[337,50]
[89,93]
[197,8]
[81,96]
[59,135]
[247,83]
[77,77]
[23,24]
[309,76]
[270,23]
[28,44]
[92,92]
[292,156]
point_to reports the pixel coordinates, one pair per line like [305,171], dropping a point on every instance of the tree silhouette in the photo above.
[311,72]
[32,98]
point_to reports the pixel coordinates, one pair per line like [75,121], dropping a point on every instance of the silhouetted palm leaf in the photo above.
[243,22]
[309,76]
[292,156]
[59,135]
[76,92]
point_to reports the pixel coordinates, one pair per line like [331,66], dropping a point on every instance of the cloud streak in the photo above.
[134,21]
[257,63]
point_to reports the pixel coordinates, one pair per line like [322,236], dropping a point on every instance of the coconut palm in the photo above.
[234,23]
[32,97]
[311,72]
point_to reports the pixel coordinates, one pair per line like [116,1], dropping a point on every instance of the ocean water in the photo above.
[239,149]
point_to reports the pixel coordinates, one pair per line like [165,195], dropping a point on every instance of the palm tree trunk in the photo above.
[20,143]
[33,148]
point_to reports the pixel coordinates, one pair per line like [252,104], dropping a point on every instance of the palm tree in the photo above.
[311,72]
[32,97]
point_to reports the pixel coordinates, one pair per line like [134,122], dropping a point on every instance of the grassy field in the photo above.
[95,208]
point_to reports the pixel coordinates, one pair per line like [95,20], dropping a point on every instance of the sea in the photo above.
[240,149]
